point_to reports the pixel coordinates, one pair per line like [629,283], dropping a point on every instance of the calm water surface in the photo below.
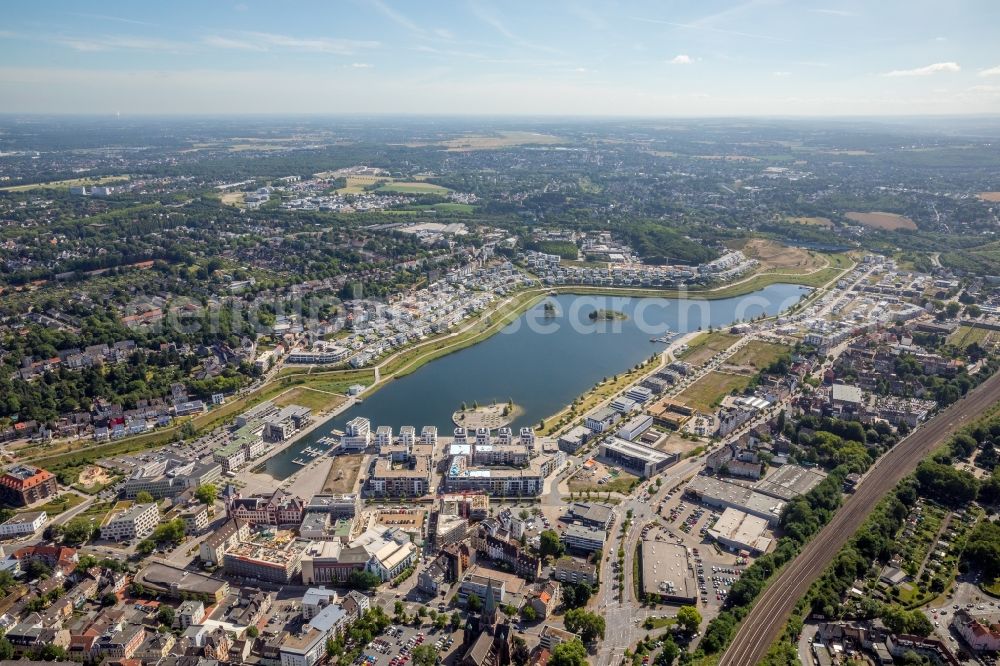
[542,362]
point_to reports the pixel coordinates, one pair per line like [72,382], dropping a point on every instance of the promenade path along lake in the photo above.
[541,362]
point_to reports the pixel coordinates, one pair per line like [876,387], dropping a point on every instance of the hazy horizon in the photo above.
[756,58]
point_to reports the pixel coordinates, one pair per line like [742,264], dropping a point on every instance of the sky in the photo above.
[502,57]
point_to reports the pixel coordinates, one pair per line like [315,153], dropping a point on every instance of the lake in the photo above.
[542,361]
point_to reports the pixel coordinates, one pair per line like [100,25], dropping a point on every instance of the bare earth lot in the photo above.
[343,474]
[773,255]
[989,196]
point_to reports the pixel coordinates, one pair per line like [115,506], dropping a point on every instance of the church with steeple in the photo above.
[488,635]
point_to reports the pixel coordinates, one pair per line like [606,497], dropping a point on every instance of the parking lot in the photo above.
[395,647]
[688,523]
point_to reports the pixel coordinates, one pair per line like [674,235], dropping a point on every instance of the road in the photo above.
[623,616]
[768,616]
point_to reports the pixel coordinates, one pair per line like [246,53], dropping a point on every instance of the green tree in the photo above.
[529,613]
[473,602]
[206,494]
[669,652]
[165,615]
[569,653]
[143,497]
[424,655]
[688,618]
[587,624]
[520,653]
[253,632]
[6,649]
[77,531]
[549,544]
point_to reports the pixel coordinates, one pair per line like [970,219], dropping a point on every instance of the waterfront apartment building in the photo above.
[136,522]
[601,419]
[357,435]
[23,485]
[502,481]
[411,479]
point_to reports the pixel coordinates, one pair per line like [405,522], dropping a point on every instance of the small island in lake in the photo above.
[550,309]
[607,315]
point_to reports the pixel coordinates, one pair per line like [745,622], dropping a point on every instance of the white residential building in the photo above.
[136,522]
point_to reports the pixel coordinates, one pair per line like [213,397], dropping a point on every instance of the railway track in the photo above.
[771,611]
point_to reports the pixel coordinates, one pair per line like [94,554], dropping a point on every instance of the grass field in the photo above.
[97,512]
[759,354]
[72,182]
[878,220]
[54,507]
[622,483]
[316,400]
[706,345]
[705,394]
[812,221]
[964,336]
[412,188]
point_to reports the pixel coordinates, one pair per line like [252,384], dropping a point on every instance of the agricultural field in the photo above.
[499,140]
[707,345]
[706,393]
[989,196]
[758,354]
[877,220]
[357,184]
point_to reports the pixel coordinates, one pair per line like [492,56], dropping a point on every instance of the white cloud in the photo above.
[266,41]
[396,17]
[118,42]
[362,65]
[992,71]
[926,71]
[681,59]
[781,74]
[221,42]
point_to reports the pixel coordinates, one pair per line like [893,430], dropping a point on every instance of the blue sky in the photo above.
[655,58]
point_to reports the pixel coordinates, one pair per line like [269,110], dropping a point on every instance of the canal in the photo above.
[543,360]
